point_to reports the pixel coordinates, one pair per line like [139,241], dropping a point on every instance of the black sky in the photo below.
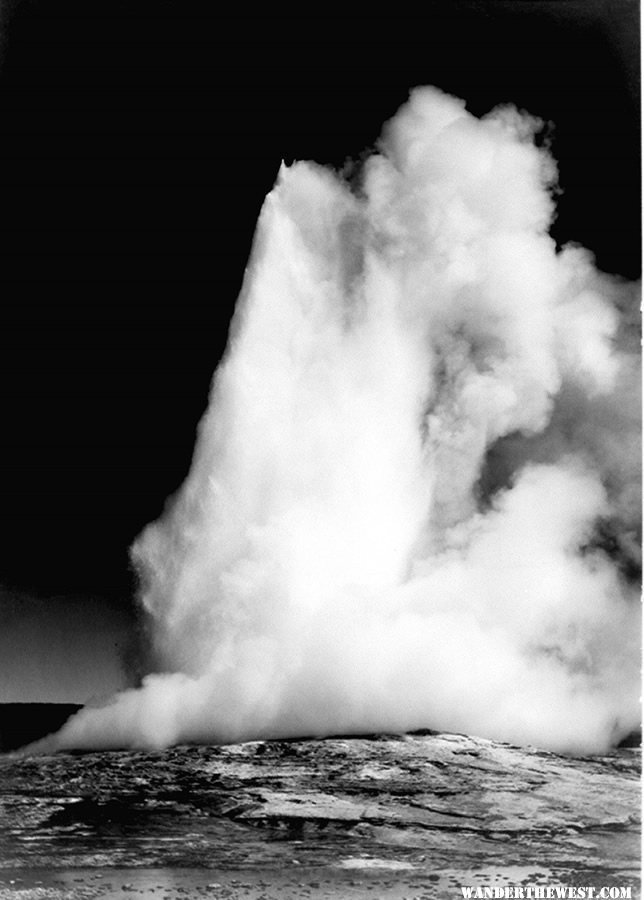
[137,141]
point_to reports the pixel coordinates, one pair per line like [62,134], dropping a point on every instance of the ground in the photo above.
[415,816]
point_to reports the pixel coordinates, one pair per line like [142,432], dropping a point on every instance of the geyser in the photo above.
[414,495]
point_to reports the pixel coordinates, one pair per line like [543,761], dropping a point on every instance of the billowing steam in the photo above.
[414,495]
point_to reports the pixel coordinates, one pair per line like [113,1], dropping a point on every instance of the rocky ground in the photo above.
[386,817]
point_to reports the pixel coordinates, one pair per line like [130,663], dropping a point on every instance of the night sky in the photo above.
[137,142]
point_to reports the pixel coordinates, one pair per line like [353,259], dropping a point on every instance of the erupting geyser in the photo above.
[414,495]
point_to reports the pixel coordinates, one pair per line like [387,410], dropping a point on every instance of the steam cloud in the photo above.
[415,494]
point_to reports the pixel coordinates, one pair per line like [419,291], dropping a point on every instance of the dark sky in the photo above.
[137,141]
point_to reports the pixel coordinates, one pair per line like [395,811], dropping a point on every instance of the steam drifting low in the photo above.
[414,495]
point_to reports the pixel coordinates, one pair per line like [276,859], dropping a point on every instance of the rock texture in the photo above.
[409,816]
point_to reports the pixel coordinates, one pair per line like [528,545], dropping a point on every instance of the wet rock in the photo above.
[421,804]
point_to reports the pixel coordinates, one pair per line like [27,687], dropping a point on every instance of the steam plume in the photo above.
[414,496]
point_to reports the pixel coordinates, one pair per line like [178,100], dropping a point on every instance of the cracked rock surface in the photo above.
[388,816]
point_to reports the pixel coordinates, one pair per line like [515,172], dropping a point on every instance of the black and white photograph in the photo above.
[321,455]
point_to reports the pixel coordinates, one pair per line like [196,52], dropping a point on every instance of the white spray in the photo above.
[415,487]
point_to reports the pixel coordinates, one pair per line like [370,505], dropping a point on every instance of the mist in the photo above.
[414,498]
